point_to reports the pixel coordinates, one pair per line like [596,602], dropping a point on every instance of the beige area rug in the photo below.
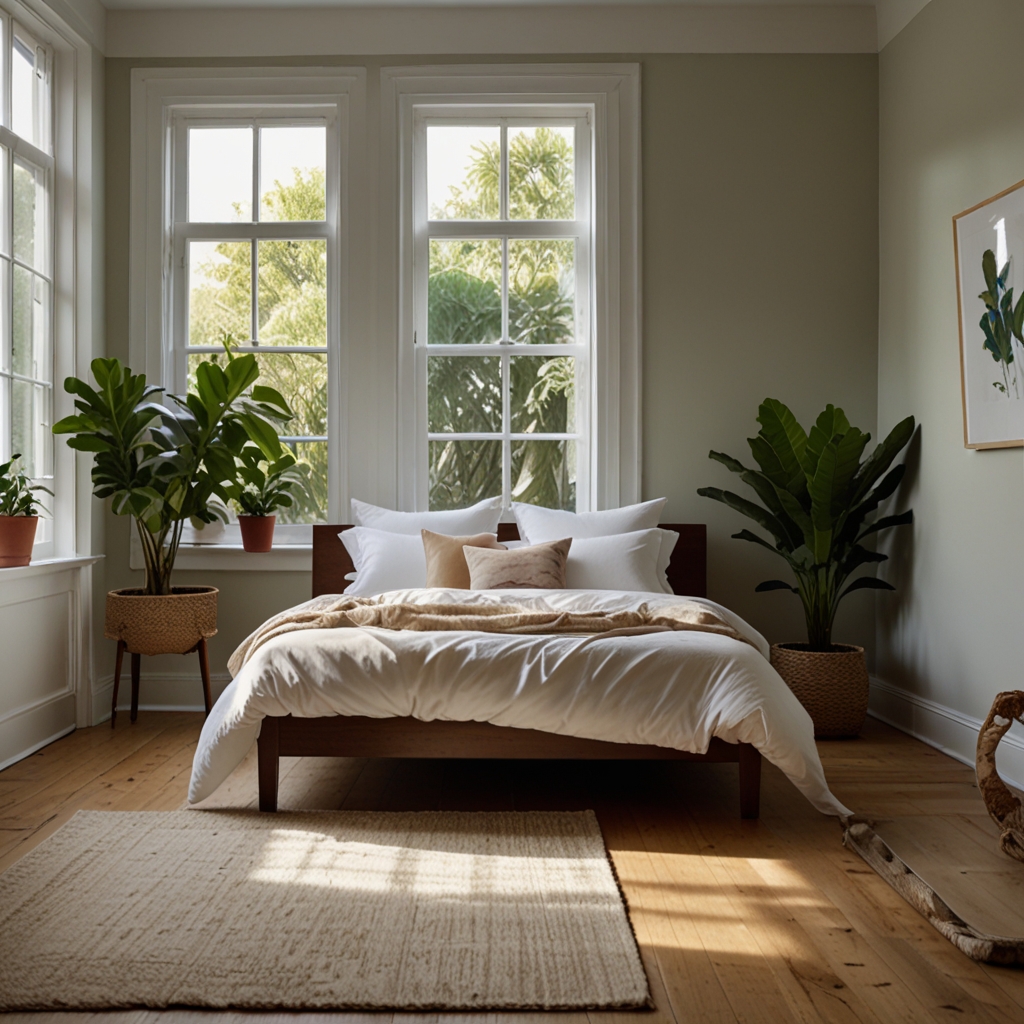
[339,909]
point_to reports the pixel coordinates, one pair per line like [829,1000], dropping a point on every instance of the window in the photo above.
[502,214]
[514,203]
[26,259]
[250,249]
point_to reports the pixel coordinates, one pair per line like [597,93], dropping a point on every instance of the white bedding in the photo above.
[670,689]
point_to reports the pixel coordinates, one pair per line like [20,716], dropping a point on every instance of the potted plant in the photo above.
[260,488]
[164,465]
[818,502]
[18,515]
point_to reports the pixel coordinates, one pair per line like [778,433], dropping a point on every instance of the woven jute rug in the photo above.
[327,910]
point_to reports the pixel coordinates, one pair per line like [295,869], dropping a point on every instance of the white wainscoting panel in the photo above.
[944,728]
[43,638]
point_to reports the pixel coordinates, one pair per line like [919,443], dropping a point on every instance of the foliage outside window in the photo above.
[251,243]
[505,248]
[26,255]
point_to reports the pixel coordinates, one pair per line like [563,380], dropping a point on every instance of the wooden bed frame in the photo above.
[352,736]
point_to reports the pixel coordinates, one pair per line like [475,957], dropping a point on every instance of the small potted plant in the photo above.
[164,465]
[818,500]
[18,515]
[262,486]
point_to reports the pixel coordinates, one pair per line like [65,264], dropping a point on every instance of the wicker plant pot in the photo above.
[831,685]
[257,532]
[161,624]
[17,535]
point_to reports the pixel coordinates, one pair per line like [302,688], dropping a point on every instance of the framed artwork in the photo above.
[989,247]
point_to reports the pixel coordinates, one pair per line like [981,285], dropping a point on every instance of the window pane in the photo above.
[292,289]
[30,206]
[541,182]
[543,395]
[544,473]
[464,292]
[220,174]
[463,472]
[314,455]
[30,336]
[464,394]
[463,172]
[5,240]
[30,427]
[30,90]
[300,377]
[219,292]
[542,291]
[293,173]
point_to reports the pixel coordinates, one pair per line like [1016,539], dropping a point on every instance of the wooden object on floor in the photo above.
[1002,805]
[204,671]
[353,736]
[992,949]
[768,921]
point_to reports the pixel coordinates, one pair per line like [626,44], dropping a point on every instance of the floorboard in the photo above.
[768,921]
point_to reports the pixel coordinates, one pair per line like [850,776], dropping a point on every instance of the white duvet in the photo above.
[670,689]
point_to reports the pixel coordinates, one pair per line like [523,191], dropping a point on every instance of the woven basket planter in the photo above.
[831,685]
[161,623]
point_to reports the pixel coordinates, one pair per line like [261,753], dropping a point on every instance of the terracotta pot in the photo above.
[257,532]
[161,623]
[17,535]
[831,685]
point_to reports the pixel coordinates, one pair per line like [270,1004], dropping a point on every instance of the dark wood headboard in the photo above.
[687,572]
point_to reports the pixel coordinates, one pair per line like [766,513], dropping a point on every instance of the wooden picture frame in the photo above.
[991,389]
[354,736]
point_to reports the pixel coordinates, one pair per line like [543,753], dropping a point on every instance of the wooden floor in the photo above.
[768,920]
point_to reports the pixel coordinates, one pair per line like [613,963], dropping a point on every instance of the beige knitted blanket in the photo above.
[334,612]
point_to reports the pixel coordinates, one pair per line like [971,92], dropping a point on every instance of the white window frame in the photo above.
[610,94]
[579,229]
[65,530]
[163,102]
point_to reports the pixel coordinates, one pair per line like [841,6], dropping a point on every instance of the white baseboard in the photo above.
[944,728]
[160,691]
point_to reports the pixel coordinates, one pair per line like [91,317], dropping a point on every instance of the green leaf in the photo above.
[774,585]
[830,422]
[761,516]
[902,519]
[271,396]
[865,583]
[787,439]
[881,458]
[733,465]
[988,268]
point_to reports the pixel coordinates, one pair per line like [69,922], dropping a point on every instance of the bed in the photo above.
[289,700]
[358,736]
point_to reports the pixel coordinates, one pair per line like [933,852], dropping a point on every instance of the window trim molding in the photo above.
[613,93]
[157,94]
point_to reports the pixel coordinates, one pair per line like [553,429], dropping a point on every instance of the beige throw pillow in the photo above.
[537,567]
[446,563]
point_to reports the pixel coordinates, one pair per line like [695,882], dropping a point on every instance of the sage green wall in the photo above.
[760,264]
[946,143]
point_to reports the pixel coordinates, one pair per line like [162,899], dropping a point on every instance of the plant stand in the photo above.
[204,669]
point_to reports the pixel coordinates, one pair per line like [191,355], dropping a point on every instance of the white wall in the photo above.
[950,136]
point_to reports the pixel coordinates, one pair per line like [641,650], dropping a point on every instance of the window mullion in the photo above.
[255,245]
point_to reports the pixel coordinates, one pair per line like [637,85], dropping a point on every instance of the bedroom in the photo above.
[797,173]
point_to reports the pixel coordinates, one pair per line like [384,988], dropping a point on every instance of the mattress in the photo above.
[669,689]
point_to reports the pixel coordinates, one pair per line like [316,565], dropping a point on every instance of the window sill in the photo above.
[234,558]
[45,566]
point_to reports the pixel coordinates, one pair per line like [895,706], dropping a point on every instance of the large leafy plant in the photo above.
[262,487]
[17,492]
[165,464]
[818,501]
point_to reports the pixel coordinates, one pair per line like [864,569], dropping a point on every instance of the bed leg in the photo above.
[267,756]
[750,781]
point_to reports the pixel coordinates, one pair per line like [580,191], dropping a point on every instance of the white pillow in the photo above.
[623,561]
[462,522]
[540,525]
[384,561]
